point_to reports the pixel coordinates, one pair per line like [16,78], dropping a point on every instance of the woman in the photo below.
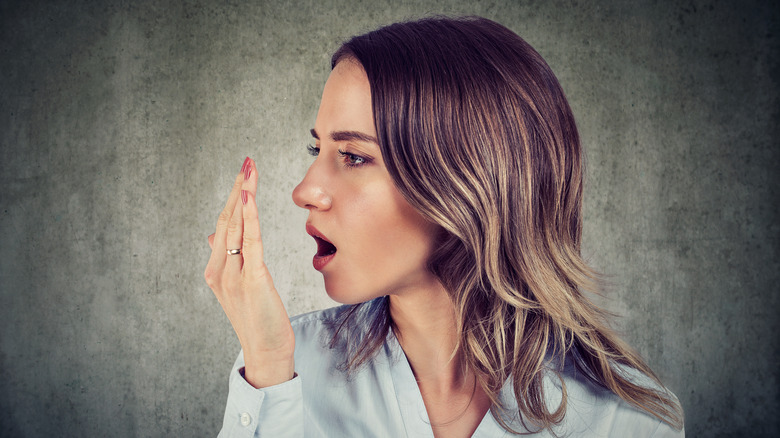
[445,200]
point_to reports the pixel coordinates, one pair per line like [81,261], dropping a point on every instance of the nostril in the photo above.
[319,200]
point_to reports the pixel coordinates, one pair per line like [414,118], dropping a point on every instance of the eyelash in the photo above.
[350,160]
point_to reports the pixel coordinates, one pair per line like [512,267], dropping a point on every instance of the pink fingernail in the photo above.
[247,168]
[244,196]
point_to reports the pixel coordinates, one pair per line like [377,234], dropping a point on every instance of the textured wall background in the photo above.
[122,124]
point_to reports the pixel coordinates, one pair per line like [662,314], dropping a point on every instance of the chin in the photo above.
[346,294]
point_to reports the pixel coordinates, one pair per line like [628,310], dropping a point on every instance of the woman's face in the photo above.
[370,241]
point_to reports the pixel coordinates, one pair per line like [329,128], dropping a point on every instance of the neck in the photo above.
[424,323]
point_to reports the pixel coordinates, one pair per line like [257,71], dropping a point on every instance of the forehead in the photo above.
[346,101]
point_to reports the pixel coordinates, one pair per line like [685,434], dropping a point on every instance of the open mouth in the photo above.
[324,248]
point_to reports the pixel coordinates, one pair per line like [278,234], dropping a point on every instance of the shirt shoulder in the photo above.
[339,327]
[593,410]
[316,317]
[327,338]
[313,331]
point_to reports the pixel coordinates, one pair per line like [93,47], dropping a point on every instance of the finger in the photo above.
[216,263]
[211,240]
[250,182]
[249,191]
[254,266]
[234,240]
[219,244]
[252,236]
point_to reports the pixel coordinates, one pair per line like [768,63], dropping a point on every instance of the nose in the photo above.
[311,193]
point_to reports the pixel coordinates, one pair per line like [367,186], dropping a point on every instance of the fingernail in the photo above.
[244,196]
[247,168]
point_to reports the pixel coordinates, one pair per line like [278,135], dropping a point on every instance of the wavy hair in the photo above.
[477,135]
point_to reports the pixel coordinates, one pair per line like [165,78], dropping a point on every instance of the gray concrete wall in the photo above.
[122,124]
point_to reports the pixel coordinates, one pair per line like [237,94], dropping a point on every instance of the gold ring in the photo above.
[234,251]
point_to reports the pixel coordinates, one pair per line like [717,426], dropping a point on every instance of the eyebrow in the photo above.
[347,136]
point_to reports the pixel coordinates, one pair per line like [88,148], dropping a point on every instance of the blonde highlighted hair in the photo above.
[478,136]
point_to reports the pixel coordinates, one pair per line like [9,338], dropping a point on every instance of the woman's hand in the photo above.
[245,289]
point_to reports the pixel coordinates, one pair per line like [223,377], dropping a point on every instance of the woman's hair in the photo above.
[477,135]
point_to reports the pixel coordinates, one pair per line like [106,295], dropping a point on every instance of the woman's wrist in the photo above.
[264,373]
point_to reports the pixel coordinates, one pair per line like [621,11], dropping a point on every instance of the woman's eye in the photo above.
[313,150]
[352,160]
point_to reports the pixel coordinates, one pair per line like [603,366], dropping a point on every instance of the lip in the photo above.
[319,261]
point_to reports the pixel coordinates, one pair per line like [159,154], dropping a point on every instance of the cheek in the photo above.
[401,236]
[385,233]
[387,244]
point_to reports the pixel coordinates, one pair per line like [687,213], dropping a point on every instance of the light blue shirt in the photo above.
[382,398]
